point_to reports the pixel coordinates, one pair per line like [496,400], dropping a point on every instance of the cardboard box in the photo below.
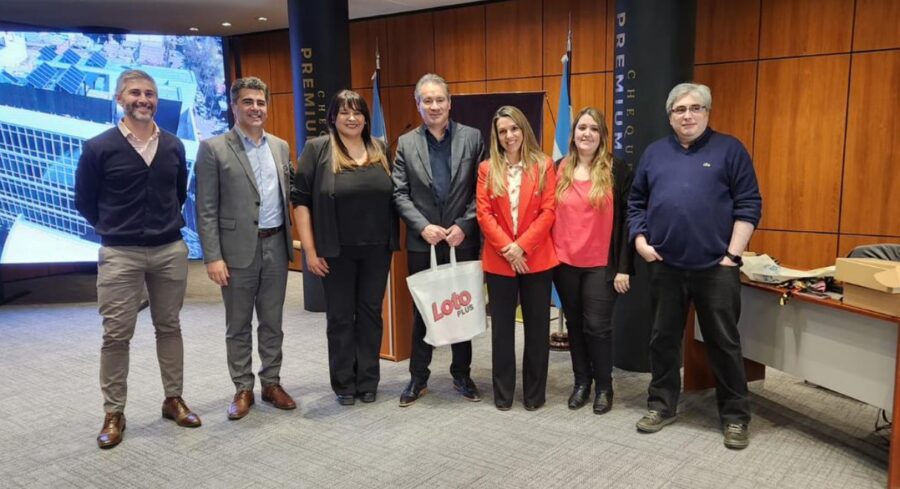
[870,284]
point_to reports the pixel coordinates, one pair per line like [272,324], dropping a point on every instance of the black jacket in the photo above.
[313,187]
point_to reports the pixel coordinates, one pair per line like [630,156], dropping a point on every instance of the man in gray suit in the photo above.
[243,180]
[435,172]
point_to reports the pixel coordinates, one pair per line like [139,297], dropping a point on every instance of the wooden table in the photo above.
[846,349]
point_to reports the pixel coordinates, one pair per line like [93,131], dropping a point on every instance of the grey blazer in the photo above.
[413,195]
[228,198]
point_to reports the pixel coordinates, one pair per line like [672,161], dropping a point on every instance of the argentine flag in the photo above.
[564,111]
[377,128]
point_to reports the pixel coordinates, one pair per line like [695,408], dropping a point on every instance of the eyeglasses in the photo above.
[681,109]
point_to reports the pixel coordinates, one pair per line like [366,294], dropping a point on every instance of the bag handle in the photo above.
[434,257]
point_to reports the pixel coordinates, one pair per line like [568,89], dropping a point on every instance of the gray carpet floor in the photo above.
[801,436]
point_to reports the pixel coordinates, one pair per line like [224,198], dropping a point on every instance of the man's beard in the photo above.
[132,111]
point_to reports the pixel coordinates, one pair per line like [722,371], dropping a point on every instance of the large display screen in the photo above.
[56,91]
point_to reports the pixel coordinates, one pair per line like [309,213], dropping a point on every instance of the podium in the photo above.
[397,312]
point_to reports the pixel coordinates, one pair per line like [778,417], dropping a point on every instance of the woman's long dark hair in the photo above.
[341,159]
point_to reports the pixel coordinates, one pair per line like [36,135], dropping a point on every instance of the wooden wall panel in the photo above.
[803,27]
[534,84]
[733,87]
[254,53]
[460,45]
[410,48]
[467,87]
[587,89]
[588,35]
[876,25]
[847,242]
[798,141]
[513,39]
[281,120]
[727,30]
[796,250]
[872,167]
[280,63]
[401,114]
[365,35]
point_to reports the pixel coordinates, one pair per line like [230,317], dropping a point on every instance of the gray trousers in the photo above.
[122,272]
[261,286]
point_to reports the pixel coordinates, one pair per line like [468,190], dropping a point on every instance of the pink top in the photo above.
[581,233]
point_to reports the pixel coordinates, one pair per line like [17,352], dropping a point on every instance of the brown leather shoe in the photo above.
[275,395]
[175,409]
[111,433]
[240,406]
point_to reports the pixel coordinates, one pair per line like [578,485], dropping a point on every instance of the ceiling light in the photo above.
[262,19]
[226,24]
[193,29]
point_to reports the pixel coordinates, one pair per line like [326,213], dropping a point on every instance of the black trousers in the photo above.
[587,301]
[504,293]
[716,293]
[420,357]
[354,291]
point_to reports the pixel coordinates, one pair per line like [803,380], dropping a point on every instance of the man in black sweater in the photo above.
[130,184]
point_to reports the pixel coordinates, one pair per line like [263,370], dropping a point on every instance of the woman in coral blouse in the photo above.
[591,242]
[515,208]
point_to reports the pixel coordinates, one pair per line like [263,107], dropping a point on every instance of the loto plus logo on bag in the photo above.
[460,302]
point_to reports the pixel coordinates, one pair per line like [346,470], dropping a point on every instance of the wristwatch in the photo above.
[735,258]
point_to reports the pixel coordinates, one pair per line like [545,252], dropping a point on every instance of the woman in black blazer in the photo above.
[591,242]
[348,228]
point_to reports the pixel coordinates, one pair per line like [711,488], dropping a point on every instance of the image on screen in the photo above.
[56,91]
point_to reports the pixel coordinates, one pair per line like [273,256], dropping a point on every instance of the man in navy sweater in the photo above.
[130,184]
[693,206]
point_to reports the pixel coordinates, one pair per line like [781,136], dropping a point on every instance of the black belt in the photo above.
[269,232]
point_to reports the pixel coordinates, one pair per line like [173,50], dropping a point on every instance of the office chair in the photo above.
[890,252]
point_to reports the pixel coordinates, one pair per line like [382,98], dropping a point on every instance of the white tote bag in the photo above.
[450,298]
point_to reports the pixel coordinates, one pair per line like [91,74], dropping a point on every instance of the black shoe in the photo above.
[533,407]
[603,402]
[346,399]
[579,396]
[503,407]
[367,397]
[468,389]
[412,393]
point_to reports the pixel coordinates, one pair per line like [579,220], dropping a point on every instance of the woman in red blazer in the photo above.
[515,208]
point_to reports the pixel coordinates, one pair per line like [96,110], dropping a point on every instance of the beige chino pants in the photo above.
[122,272]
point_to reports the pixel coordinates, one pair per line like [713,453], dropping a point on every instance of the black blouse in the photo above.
[363,202]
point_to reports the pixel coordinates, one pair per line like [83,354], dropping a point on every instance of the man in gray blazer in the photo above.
[435,171]
[243,183]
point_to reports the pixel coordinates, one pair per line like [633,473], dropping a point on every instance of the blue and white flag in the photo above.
[377,129]
[564,111]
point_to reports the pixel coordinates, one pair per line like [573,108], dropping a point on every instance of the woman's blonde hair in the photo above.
[340,157]
[531,151]
[600,167]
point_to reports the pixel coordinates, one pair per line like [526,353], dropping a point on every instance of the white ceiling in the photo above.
[177,16]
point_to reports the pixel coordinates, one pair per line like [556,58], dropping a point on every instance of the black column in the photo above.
[654,51]
[319,32]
